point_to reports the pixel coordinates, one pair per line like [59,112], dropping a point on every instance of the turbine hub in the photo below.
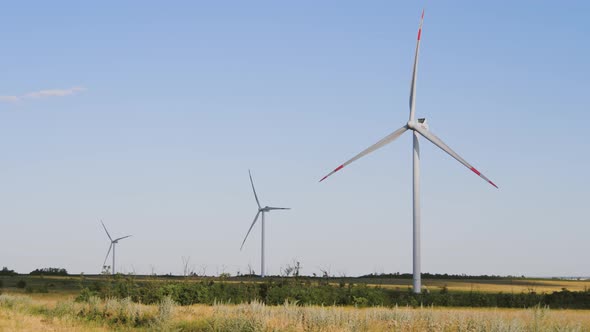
[411,125]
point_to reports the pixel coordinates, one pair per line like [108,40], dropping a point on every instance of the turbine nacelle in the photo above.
[270,208]
[422,123]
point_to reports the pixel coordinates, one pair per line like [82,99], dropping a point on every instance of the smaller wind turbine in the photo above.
[112,246]
[261,210]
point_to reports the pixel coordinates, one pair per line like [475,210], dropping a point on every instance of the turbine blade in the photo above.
[251,226]
[438,142]
[386,140]
[124,237]
[107,256]
[254,190]
[105,229]
[277,208]
[415,71]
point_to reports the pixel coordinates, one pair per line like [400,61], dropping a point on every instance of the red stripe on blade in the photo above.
[493,184]
[475,171]
[334,171]
[419,33]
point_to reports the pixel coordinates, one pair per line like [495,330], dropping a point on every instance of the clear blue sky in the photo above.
[148,115]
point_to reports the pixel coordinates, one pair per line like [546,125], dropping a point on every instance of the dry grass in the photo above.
[26,313]
[17,321]
[23,313]
[258,317]
[17,317]
[492,286]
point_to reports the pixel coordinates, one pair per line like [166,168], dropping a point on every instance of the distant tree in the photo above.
[106,270]
[251,271]
[287,270]
[49,271]
[6,272]
[426,275]
[293,269]
[297,271]
[203,270]
[325,272]
[187,268]
[21,284]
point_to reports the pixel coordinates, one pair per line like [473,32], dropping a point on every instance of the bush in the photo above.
[21,284]
[85,295]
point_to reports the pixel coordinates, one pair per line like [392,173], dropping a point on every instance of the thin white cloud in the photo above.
[42,94]
[9,99]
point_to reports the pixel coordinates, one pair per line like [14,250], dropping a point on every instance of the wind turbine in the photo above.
[112,246]
[418,127]
[261,210]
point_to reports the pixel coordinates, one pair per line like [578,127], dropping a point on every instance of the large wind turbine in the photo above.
[112,246]
[418,127]
[261,210]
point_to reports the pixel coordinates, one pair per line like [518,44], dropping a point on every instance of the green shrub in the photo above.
[276,292]
[43,288]
[21,284]
[85,295]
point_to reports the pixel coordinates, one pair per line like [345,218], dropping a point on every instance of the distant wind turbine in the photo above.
[112,246]
[261,210]
[419,127]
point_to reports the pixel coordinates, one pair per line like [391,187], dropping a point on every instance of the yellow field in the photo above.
[493,286]
[57,312]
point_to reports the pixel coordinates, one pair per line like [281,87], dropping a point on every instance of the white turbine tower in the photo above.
[418,127]
[112,246]
[261,210]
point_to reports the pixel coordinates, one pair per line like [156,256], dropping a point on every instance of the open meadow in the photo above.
[39,312]
[58,304]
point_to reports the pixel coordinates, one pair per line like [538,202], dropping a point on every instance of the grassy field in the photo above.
[58,312]
[516,285]
[47,304]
